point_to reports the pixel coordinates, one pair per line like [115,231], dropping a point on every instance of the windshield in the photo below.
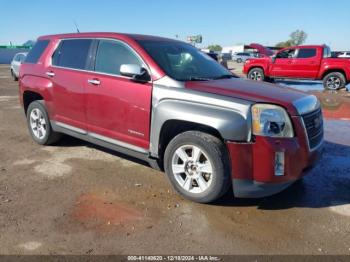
[184,62]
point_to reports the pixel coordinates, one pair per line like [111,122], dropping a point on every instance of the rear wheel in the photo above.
[239,60]
[39,124]
[256,74]
[197,166]
[14,77]
[334,81]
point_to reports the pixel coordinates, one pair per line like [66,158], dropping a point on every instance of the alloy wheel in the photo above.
[38,123]
[333,83]
[256,76]
[192,169]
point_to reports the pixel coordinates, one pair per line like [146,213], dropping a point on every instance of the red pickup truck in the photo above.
[301,62]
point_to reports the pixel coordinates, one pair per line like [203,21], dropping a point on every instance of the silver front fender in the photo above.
[229,116]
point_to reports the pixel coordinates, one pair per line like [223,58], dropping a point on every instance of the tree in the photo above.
[287,43]
[215,48]
[297,37]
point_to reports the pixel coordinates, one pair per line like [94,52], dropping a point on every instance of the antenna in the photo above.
[76,26]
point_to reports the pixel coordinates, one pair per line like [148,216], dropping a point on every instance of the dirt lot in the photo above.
[76,198]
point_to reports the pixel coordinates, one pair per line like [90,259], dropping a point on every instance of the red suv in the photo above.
[166,102]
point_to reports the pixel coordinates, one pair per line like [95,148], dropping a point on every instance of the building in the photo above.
[233,49]
[8,52]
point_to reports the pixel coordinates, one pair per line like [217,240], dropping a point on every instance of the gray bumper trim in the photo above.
[251,189]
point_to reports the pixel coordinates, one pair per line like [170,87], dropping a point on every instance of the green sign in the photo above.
[14,47]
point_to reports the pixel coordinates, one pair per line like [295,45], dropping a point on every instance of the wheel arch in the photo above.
[333,70]
[256,66]
[29,97]
[35,88]
[172,128]
[170,118]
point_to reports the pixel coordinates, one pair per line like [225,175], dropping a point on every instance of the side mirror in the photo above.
[136,72]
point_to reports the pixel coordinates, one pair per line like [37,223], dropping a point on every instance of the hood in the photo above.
[262,49]
[249,90]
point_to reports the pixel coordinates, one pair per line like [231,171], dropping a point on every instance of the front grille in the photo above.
[314,127]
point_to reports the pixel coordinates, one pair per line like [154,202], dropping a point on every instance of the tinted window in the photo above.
[327,52]
[37,50]
[72,53]
[111,55]
[16,58]
[306,53]
[289,53]
[21,57]
[182,61]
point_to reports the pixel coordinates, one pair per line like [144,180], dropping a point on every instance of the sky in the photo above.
[224,22]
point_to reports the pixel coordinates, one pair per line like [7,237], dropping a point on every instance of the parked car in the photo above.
[166,102]
[242,57]
[213,55]
[16,63]
[344,55]
[226,56]
[301,62]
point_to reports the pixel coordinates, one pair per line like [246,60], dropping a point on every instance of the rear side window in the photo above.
[111,55]
[16,58]
[22,58]
[36,52]
[306,53]
[72,53]
[327,52]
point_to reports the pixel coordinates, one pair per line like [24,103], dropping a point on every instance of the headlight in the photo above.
[271,120]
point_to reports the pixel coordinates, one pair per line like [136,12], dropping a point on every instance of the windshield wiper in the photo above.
[193,78]
[224,77]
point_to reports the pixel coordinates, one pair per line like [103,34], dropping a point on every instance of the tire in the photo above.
[256,74]
[239,60]
[184,172]
[39,124]
[14,77]
[334,81]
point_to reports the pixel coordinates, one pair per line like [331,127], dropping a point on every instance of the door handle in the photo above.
[95,82]
[50,74]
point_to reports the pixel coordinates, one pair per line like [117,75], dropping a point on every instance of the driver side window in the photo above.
[111,55]
[288,53]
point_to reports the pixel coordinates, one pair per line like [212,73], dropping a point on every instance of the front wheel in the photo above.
[256,74]
[197,166]
[39,124]
[334,81]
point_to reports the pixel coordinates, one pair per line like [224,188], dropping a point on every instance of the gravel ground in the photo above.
[76,198]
